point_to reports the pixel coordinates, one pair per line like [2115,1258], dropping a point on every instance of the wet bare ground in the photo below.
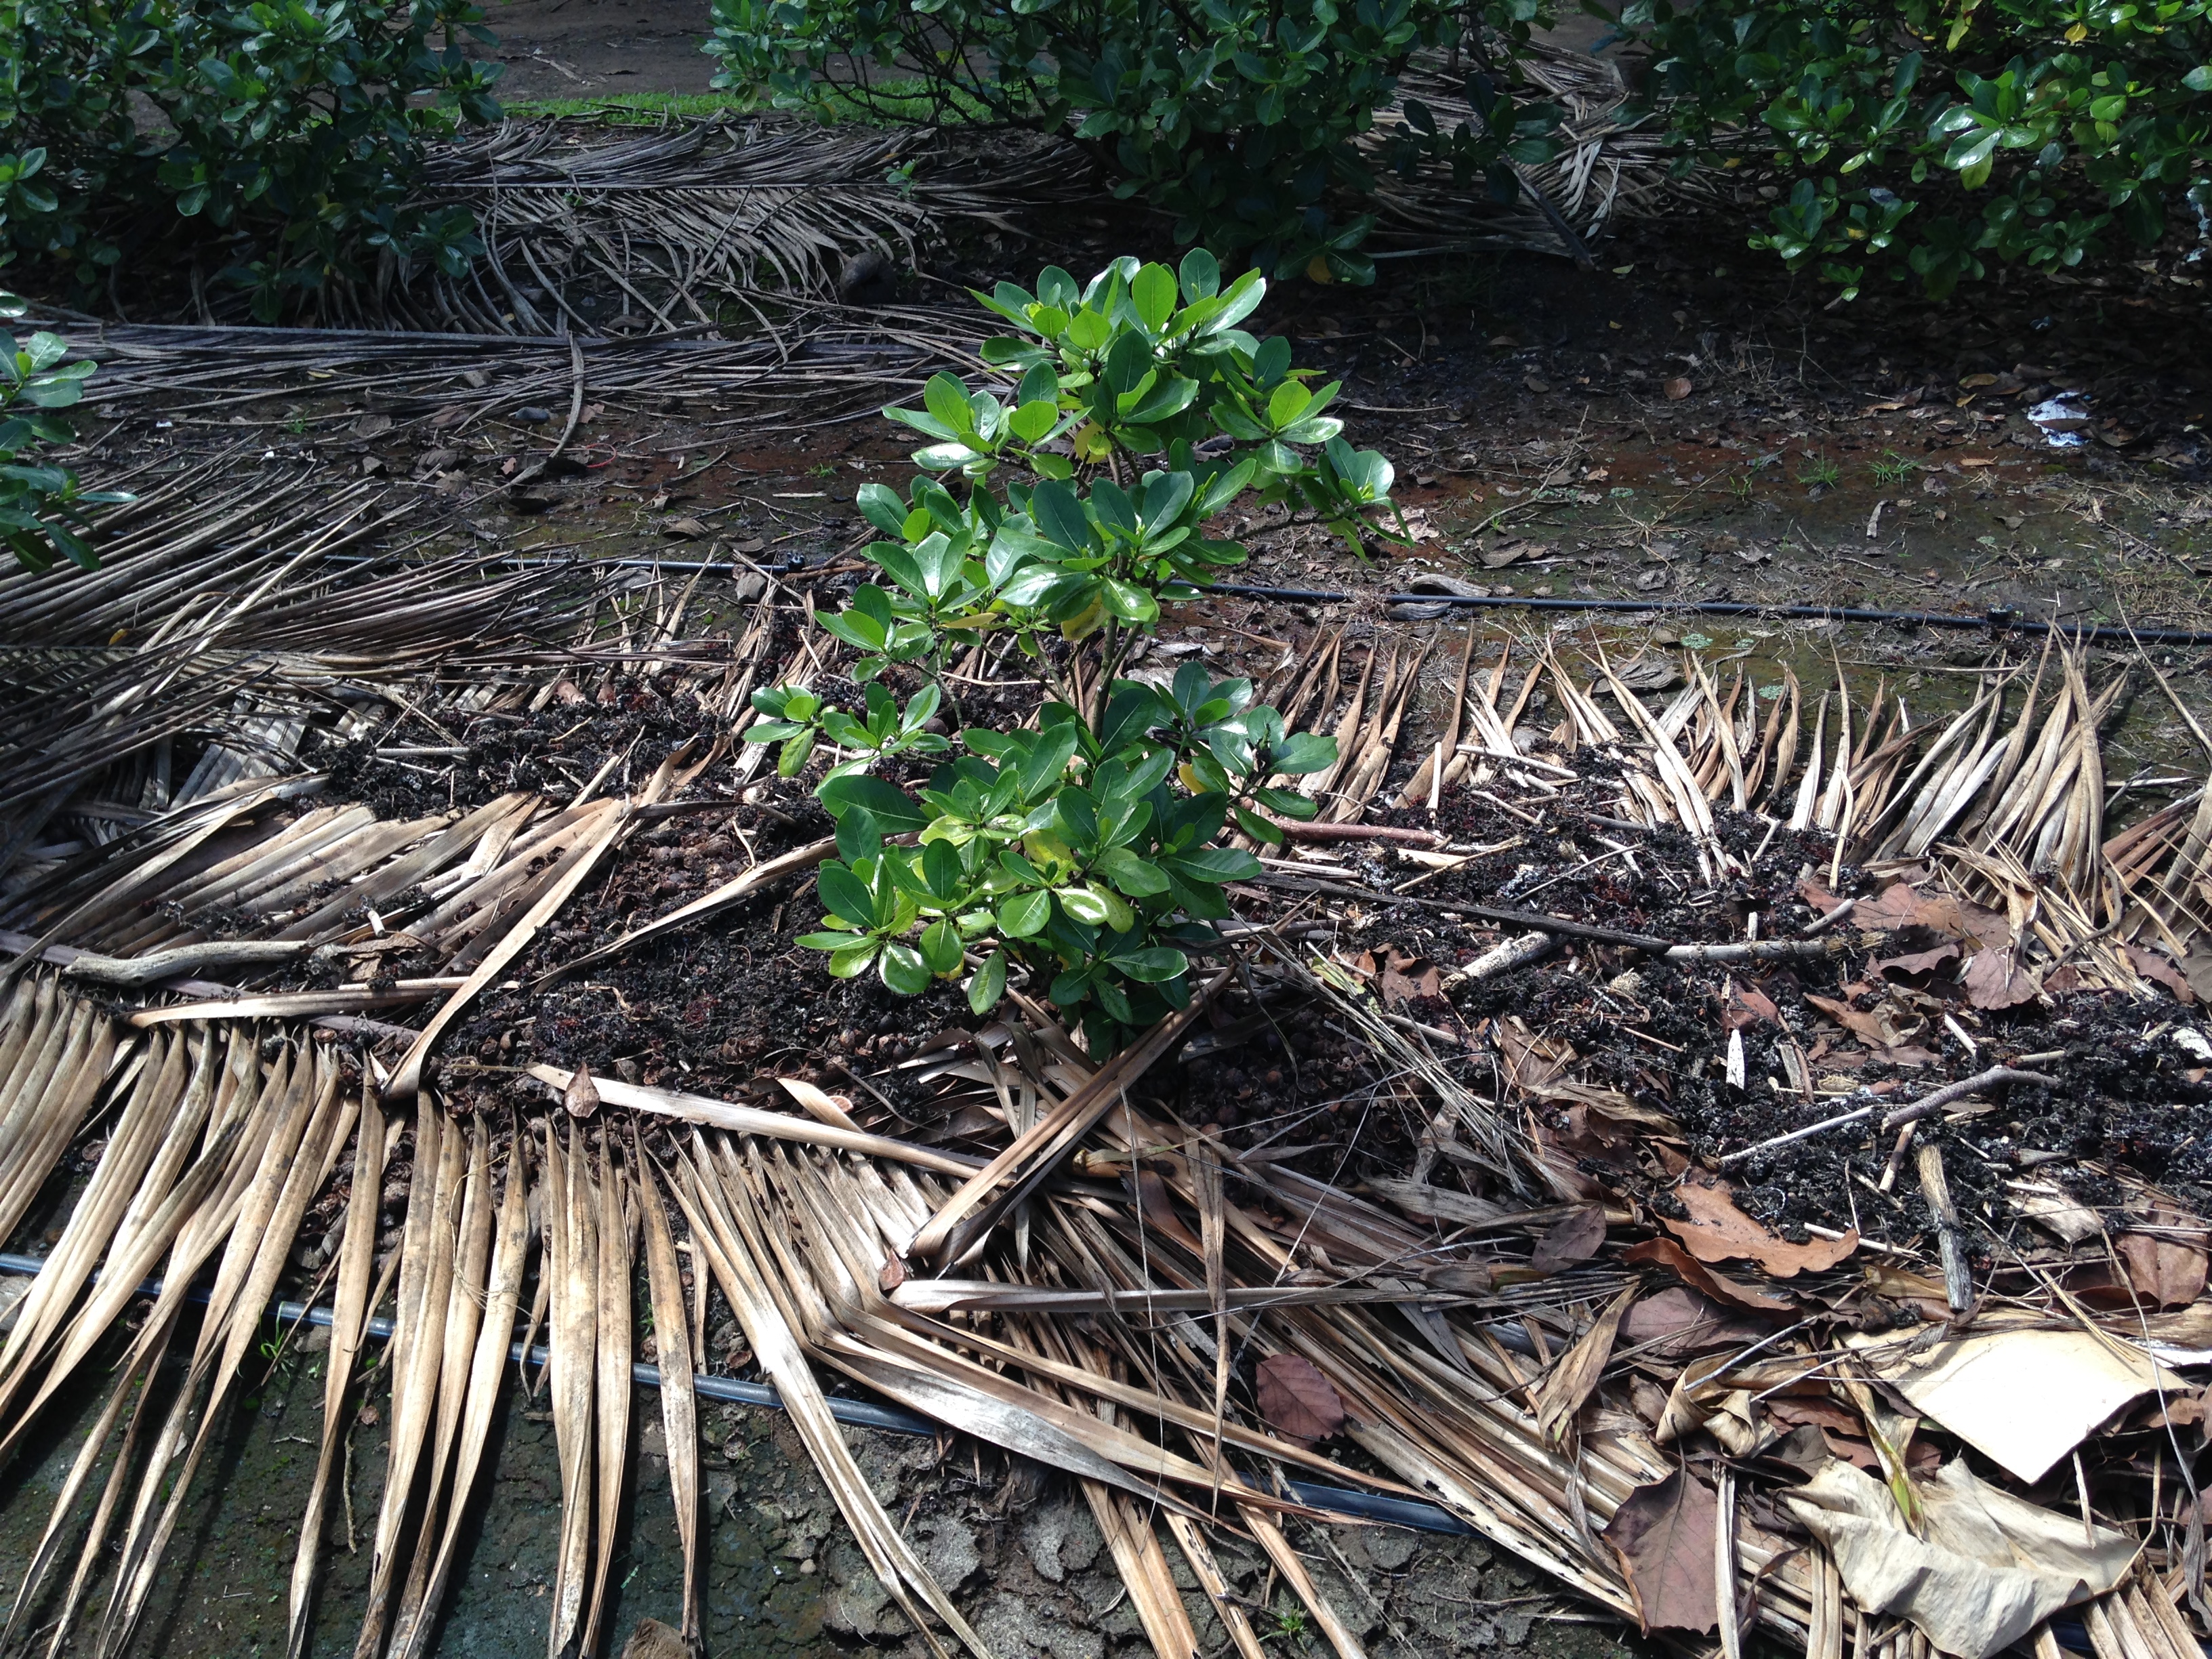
[611,49]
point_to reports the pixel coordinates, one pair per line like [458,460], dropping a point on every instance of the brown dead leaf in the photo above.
[1718,1231]
[1298,1402]
[2160,969]
[1902,905]
[1533,1061]
[1748,1004]
[581,1097]
[1561,1398]
[685,530]
[1924,1294]
[1794,1411]
[1678,1323]
[1666,1252]
[1406,979]
[1817,895]
[2189,1408]
[1917,961]
[892,1276]
[1664,1536]
[1995,979]
[2168,1269]
[1872,1029]
[1577,1238]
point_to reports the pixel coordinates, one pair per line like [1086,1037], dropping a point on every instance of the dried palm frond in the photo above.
[1613,161]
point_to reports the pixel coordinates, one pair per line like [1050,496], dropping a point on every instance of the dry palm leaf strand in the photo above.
[1015,1171]
[510,1261]
[720,1225]
[108,1227]
[752,1121]
[829,1292]
[90,1226]
[613,1367]
[156,1100]
[127,1267]
[349,1328]
[607,821]
[210,1225]
[571,1208]
[267,1224]
[678,1407]
[1426,778]
[418,1347]
[464,1312]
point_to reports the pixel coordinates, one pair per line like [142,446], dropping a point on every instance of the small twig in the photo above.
[1958,1272]
[1903,1115]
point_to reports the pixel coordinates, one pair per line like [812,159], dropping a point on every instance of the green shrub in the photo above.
[1236,116]
[40,505]
[1932,136]
[299,123]
[1085,849]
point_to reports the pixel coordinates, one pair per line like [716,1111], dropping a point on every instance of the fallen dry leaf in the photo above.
[1747,1005]
[1678,1323]
[1577,1238]
[1666,1252]
[685,530]
[1406,979]
[1900,905]
[1298,1400]
[581,1097]
[1561,1398]
[2160,969]
[1995,979]
[1917,961]
[2169,1270]
[1664,1536]
[1870,1028]
[1718,1230]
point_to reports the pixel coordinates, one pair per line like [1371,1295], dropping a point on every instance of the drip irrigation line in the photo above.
[859,1413]
[1997,619]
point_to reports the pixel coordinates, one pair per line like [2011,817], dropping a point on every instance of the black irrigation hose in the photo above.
[861,1413]
[1997,619]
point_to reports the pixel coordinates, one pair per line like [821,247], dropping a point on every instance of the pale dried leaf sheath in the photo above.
[415,1381]
[349,1325]
[613,1367]
[679,1408]
[721,1220]
[572,1214]
[752,1121]
[510,1261]
[464,1310]
[1009,1176]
